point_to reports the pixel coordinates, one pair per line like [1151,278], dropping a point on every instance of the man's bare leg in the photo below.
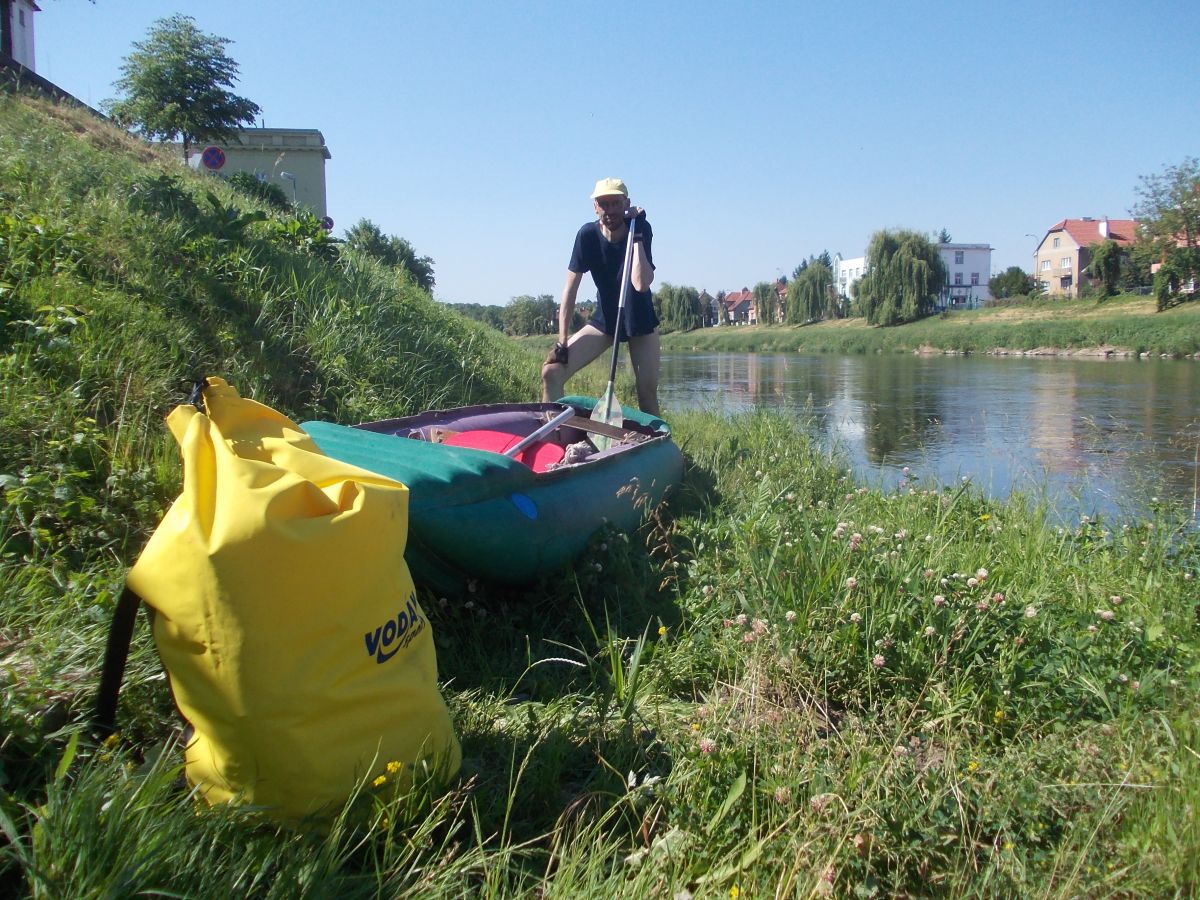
[645,353]
[583,347]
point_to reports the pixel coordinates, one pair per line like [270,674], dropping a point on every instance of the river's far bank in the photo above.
[1121,327]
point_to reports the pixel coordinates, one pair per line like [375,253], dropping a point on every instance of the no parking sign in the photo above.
[212,157]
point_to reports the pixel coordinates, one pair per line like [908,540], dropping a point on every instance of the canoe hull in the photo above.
[478,515]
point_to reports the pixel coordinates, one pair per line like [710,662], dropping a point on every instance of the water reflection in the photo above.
[1095,435]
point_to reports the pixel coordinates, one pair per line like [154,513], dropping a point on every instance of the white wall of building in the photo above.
[22,32]
[968,269]
[848,271]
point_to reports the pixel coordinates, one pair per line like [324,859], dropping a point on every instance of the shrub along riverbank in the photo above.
[784,684]
[1125,325]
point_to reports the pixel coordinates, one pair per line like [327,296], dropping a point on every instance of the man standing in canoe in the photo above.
[600,249]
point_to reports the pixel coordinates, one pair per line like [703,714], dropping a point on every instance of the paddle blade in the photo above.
[608,411]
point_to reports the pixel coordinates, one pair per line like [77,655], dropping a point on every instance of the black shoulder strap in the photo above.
[120,634]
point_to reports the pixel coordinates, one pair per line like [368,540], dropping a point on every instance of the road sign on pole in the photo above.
[212,157]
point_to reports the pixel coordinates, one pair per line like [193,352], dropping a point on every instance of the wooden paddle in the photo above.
[607,410]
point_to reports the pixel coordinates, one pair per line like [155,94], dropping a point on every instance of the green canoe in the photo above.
[478,514]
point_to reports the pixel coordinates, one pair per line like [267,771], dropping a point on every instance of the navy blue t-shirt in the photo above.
[605,259]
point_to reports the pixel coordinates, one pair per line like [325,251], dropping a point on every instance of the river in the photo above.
[1098,436]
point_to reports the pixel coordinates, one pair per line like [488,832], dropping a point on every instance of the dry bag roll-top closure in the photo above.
[287,619]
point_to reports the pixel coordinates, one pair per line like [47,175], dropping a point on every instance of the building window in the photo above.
[1045,265]
[1056,243]
[1066,262]
[958,277]
[958,257]
[974,278]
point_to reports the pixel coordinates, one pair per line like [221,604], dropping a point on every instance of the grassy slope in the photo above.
[1125,324]
[764,692]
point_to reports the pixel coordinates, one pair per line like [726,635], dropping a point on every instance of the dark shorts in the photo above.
[638,319]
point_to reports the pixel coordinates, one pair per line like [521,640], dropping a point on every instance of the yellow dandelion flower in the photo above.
[662,630]
[735,892]
[973,765]
[998,715]
[695,726]
[984,517]
[380,781]
[393,767]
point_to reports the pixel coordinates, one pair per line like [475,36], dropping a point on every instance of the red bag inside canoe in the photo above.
[539,456]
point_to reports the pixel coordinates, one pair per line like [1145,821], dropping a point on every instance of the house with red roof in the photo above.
[740,308]
[1064,253]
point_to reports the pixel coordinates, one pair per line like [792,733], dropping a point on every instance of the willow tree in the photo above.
[766,301]
[904,276]
[1105,267]
[679,308]
[810,294]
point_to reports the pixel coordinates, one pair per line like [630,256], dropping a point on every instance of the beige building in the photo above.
[1061,259]
[293,158]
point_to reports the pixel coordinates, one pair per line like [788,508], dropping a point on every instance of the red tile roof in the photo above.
[1086,232]
[733,298]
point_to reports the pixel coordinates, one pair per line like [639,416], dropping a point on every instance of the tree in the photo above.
[679,308]
[905,274]
[174,86]
[1169,204]
[530,315]
[1169,210]
[1106,265]
[944,237]
[811,296]
[766,301]
[367,237]
[1012,282]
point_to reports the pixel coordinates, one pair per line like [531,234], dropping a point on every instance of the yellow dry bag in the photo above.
[286,616]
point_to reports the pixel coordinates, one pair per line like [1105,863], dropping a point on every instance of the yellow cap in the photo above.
[610,187]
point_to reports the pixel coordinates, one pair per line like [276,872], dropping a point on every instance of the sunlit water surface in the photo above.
[1094,436]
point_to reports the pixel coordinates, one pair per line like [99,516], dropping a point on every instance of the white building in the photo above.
[846,272]
[968,269]
[16,31]
[293,158]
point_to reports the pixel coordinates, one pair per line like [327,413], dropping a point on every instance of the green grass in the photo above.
[1125,324]
[783,684]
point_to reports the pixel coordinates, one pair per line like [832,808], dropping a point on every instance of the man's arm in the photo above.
[566,306]
[642,275]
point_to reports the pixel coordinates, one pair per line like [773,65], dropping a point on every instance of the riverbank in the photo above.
[1125,327]
[783,684]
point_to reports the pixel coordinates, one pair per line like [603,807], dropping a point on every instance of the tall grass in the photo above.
[784,684]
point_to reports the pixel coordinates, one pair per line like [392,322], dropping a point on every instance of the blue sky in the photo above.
[754,133]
